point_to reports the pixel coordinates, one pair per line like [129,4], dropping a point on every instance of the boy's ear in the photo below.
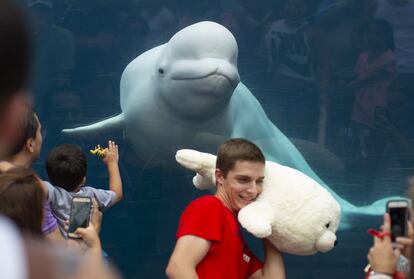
[219,177]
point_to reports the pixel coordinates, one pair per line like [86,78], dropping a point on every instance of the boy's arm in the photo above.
[273,265]
[189,251]
[111,161]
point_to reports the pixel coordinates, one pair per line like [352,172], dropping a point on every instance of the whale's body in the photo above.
[187,94]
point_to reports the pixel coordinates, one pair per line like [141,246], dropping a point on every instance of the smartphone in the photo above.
[399,213]
[79,215]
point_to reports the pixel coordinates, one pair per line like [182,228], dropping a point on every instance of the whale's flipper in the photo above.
[109,125]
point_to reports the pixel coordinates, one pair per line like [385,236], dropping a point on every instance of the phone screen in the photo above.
[398,221]
[79,217]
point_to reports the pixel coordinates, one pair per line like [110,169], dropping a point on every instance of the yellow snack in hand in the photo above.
[98,151]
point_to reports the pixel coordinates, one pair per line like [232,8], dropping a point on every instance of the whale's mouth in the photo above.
[231,80]
[205,69]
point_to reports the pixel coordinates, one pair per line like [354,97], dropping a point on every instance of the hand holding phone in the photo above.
[90,236]
[382,256]
[79,215]
[399,212]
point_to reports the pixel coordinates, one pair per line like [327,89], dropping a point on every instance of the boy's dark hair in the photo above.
[29,125]
[22,199]
[66,166]
[235,150]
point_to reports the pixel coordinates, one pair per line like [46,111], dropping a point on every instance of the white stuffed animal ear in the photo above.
[204,164]
[257,218]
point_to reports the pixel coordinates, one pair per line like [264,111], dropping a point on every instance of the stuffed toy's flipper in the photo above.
[204,164]
[203,183]
[256,218]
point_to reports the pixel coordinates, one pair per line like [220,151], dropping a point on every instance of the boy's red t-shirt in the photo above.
[229,256]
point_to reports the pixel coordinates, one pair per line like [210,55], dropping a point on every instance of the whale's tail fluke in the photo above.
[113,124]
[378,207]
[353,216]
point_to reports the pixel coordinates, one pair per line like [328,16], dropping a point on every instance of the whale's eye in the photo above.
[161,71]
[327,225]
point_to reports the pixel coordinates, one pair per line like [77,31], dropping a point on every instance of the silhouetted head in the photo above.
[14,51]
[14,71]
[22,199]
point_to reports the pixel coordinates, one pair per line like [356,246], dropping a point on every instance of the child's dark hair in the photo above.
[66,166]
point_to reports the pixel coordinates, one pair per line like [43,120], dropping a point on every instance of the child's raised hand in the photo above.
[111,153]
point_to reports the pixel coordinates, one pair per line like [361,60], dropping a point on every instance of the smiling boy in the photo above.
[209,239]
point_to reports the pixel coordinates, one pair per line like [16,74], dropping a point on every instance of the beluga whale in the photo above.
[187,93]
[177,94]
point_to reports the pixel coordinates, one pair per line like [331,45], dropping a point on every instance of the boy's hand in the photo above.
[111,161]
[111,153]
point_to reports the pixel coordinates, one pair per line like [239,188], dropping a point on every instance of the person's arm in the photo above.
[271,44]
[322,60]
[111,160]
[189,251]
[384,67]
[91,238]
[49,225]
[273,267]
